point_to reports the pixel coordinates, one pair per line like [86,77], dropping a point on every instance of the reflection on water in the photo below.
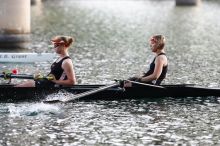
[111,42]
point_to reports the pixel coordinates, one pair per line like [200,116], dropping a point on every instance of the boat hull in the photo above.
[147,92]
[17,94]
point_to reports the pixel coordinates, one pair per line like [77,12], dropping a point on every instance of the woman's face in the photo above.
[58,47]
[153,43]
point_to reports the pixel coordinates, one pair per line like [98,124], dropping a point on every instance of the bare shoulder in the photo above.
[67,62]
[162,59]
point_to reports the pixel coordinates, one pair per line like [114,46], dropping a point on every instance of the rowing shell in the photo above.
[27,57]
[9,93]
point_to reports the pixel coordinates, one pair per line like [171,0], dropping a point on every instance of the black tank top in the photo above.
[56,68]
[151,70]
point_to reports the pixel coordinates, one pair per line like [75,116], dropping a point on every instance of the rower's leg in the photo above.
[26,84]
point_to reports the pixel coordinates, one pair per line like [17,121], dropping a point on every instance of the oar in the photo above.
[145,84]
[24,76]
[84,94]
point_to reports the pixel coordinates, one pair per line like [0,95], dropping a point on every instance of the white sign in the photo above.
[27,57]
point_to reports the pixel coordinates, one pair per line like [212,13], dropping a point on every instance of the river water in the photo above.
[112,43]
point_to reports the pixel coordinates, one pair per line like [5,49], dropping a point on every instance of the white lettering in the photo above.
[18,56]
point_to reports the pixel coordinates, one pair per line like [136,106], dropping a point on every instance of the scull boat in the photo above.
[9,93]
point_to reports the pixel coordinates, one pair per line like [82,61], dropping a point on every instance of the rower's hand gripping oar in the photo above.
[84,94]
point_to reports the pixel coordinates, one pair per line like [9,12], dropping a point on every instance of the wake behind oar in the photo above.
[84,94]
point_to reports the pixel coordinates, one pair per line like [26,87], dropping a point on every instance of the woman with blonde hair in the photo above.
[158,67]
[61,70]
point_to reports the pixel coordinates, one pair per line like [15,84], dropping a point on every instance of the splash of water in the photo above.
[32,109]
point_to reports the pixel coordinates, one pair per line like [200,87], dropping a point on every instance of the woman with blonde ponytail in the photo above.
[158,67]
[61,70]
